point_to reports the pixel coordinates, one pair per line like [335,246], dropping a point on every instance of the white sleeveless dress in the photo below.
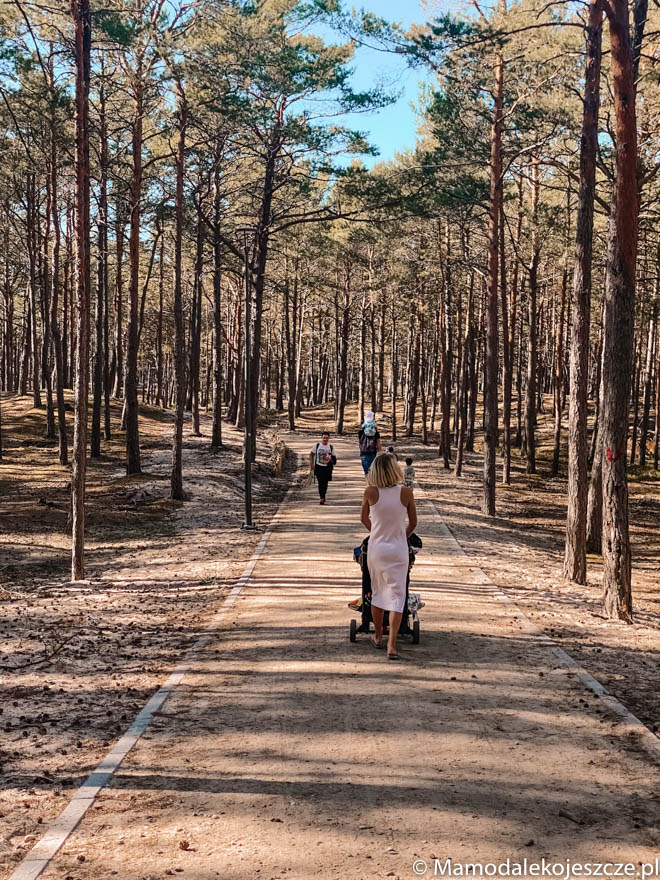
[387,556]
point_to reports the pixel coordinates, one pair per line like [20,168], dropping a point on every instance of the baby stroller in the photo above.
[410,621]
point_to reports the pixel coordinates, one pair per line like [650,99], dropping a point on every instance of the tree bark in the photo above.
[196,328]
[81,15]
[101,277]
[159,325]
[55,293]
[216,439]
[463,397]
[176,482]
[133,465]
[343,325]
[509,342]
[395,374]
[558,375]
[648,376]
[619,320]
[490,360]
[532,353]
[118,355]
[31,248]
[575,551]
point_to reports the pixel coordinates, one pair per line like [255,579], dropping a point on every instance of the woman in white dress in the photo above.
[389,514]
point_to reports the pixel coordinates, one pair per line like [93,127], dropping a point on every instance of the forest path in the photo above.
[288,752]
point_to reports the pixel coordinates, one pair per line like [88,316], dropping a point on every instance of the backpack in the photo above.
[367,444]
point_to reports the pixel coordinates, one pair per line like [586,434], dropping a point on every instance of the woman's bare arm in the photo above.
[379,445]
[408,499]
[367,499]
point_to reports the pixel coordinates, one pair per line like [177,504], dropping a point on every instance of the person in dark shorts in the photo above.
[321,461]
[369,440]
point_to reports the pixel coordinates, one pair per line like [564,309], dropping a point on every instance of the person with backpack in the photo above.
[369,440]
[322,460]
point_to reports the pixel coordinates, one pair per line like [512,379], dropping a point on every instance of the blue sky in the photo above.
[393,128]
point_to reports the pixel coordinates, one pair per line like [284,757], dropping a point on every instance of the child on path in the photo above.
[409,474]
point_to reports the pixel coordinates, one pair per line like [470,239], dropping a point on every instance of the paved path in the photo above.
[288,752]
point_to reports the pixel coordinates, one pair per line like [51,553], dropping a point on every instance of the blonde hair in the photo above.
[384,471]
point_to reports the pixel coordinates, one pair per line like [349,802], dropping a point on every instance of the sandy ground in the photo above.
[522,548]
[289,752]
[78,662]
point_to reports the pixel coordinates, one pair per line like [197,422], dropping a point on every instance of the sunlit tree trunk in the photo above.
[80,12]
[176,483]
[133,465]
[619,322]
[101,278]
[55,291]
[575,559]
[491,356]
[216,439]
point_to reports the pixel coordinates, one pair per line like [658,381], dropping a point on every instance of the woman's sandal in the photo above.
[375,643]
[393,656]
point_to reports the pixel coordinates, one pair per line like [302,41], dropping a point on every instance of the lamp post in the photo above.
[246,233]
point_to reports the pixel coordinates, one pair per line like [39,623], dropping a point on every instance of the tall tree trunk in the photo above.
[464,371]
[216,439]
[32,255]
[656,430]
[101,277]
[558,375]
[118,354]
[530,400]
[273,149]
[395,374]
[637,376]
[381,356]
[55,291]
[508,339]
[81,15]
[619,319]
[446,356]
[343,335]
[594,538]
[648,372]
[413,383]
[159,324]
[176,482]
[45,285]
[197,326]
[131,379]
[363,361]
[490,361]
[575,558]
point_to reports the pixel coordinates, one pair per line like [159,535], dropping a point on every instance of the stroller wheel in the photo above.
[415,632]
[353,631]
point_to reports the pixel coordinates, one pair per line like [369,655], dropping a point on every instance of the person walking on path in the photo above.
[409,474]
[321,462]
[369,440]
[389,514]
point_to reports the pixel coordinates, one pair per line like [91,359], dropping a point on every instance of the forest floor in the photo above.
[522,548]
[287,752]
[78,662]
